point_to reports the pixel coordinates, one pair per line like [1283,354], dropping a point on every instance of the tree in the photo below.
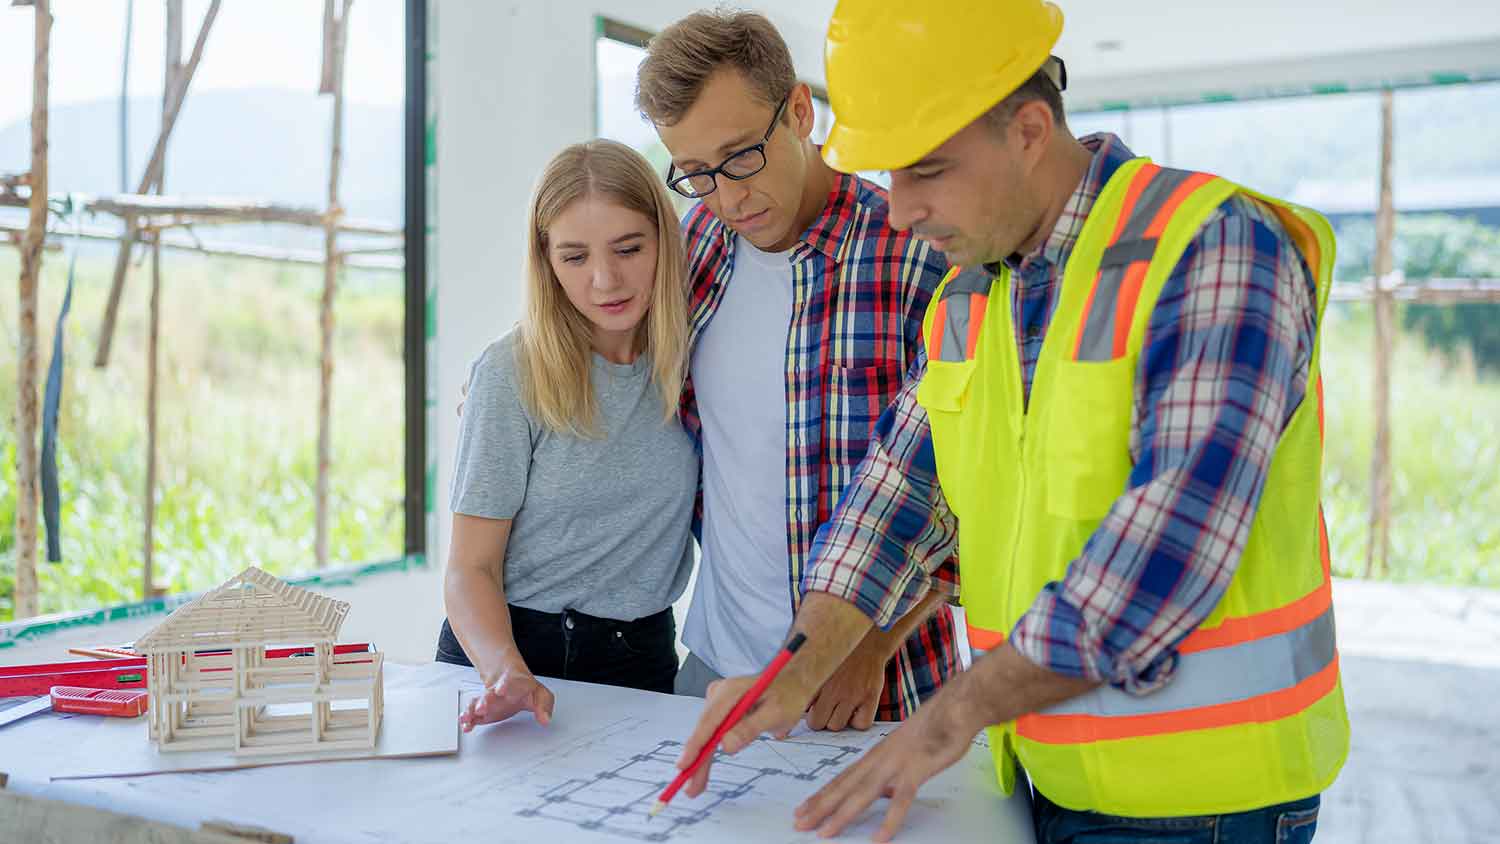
[1436,246]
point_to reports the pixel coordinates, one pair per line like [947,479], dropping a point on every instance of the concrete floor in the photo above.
[1421,669]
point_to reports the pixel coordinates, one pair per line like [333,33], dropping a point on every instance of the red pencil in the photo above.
[733,718]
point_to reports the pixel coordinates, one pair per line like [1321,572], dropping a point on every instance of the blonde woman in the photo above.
[573,494]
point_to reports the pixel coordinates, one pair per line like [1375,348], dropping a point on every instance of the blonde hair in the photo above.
[554,355]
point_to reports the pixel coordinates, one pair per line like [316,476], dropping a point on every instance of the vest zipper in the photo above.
[1020,508]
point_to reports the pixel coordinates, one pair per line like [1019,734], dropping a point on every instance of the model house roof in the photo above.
[252,608]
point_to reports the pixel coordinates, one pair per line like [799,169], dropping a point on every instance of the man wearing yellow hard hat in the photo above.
[1119,405]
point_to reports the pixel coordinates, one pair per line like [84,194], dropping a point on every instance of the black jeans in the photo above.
[639,654]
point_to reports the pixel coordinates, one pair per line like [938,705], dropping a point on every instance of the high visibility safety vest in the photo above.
[1254,715]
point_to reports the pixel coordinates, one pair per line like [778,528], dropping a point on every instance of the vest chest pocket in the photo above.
[943,393]
[1087,443]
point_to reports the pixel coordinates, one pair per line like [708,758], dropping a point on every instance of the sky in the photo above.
[253,44]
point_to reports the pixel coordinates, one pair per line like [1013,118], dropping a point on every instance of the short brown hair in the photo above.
[682,58]
[1038,87]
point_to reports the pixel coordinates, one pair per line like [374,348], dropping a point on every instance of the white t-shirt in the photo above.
[742,604]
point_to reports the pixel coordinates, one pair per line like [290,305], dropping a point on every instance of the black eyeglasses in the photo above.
[741,165]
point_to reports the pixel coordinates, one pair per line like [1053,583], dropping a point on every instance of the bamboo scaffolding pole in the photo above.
[328,75]
[1377,551]
[125,98]
[175,211]
[152,175]
[335,39]
[148,574]
[369,258]
[1431,291]
[27,457]
[171,81]
[168,212]
[172,72]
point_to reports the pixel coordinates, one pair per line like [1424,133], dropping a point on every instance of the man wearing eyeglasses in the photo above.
[806,311]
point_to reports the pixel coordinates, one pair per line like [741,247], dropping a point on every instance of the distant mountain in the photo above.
[264,144]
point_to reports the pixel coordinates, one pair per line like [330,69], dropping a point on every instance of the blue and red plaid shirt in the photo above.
[859,292]
[1226,364]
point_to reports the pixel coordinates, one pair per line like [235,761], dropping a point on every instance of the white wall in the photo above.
[515,83]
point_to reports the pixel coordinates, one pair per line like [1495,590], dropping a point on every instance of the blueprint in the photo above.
[590,776]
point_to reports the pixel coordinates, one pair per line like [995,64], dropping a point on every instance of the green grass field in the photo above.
[238,426]
[1445,432]
[239,430]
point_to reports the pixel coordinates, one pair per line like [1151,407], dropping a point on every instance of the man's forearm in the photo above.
[1004,685]
[886,643]
[834,627]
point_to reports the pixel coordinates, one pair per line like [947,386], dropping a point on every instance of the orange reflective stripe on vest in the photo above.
[958,315]
[1153,196]
[1242,670]
[1245,670]
[1273,706]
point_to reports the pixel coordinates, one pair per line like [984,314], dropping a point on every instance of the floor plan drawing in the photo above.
[617,801]
[589,776]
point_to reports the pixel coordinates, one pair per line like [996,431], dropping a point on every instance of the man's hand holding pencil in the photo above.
[743,712]
[833,628]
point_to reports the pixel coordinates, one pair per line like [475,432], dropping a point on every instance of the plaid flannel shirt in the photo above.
[859,292]
[1225,365]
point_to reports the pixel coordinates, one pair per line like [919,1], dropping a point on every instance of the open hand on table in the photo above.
[515,691]
[930,741]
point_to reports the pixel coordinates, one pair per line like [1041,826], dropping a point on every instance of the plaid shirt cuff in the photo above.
[1054,635]
[876,550]
[882,588]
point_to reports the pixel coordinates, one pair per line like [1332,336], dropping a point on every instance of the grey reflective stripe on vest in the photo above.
[1223,675]
[1151,201]
[1128,252]
[1098,339]
[972,280]
[955,328]
[955,302]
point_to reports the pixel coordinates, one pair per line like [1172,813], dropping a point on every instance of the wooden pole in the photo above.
[172,72]
[171,81]
[148,585]
[334,37]
[377,257]
[27,458]
[328,79]
[1377,552]
[148,180]
[125,99]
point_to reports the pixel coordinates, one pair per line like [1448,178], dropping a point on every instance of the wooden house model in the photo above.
[212,685]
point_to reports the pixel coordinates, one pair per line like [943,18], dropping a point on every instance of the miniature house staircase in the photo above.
[212,687]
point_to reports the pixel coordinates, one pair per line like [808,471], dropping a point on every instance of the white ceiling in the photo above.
[1186,50]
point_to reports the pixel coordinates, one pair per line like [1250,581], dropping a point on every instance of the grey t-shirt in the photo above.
[601,526]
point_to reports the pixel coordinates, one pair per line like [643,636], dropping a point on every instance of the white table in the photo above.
[588,777]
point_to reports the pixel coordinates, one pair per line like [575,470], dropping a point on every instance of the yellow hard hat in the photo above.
[904,77]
